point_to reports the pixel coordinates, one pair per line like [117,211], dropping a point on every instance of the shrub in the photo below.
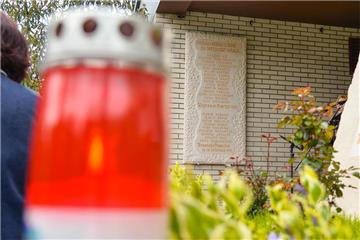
[203,209]
[305,214]
[217,212]
[257,179]
[315,136]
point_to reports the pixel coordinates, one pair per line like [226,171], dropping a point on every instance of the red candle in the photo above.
[98,164]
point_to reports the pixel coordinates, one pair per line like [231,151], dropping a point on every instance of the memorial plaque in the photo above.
[215,102]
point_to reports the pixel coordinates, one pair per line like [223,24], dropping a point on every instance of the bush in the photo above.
[217,212]
[258,179]
[203,209]
[305,214]
[315,135]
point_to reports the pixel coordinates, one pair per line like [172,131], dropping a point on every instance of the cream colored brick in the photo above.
[215,25]
[261,20]
[191,18]
[230,26]
[213,15]
[276,22]
[206,29]
[237,32]
[265,25]
[270,35]
[262,29]
[206,19]
[230,17]
[273,30]
[256,34]
[222,21]
[284,27]
[187,27]
[238,22]
[221,30]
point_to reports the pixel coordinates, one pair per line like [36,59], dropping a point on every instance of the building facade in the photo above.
[281,56]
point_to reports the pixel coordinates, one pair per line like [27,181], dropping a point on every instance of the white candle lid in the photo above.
[100,33]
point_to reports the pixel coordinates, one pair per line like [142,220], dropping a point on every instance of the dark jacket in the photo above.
[17,112]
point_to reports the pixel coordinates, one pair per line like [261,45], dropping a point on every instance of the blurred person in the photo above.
[17,111]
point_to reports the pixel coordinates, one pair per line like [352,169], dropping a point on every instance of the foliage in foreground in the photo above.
[203,209]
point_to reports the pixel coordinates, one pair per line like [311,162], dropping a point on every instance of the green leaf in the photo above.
[283,122]
[297,142]
[336,165]
[313,143]
[315,193]
[338,192]
[356,174]
[307,123]
[299,134]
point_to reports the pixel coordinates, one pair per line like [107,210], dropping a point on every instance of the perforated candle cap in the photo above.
[101,33]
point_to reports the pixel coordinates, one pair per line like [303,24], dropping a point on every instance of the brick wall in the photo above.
[281,56]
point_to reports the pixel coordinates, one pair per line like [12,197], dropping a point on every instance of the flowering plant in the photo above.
[315,135]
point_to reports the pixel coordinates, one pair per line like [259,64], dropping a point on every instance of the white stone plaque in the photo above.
[215,101]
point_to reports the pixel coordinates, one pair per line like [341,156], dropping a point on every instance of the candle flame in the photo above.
[96,154]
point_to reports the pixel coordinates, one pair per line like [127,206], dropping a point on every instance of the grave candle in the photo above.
[98,166]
